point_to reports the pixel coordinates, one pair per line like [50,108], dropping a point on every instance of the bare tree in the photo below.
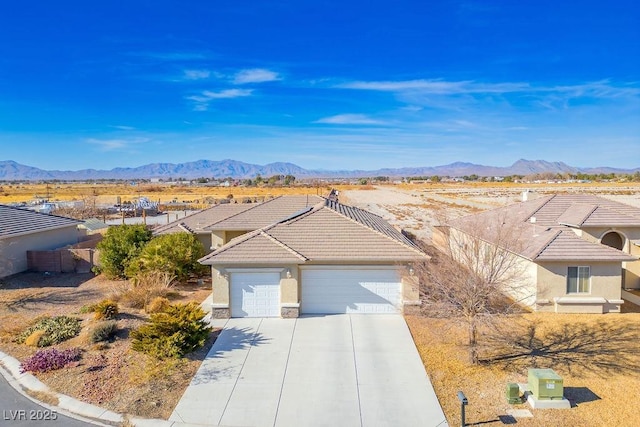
[475,273]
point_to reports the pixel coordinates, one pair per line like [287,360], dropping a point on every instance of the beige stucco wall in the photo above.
[13,251]
[221,283]
[220,238]
[632,269]
[605,283]
[205,241]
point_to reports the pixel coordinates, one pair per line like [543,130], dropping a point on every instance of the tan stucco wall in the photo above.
[13,251]
[205,241]
[605,283]
[221,284]
[632,273]
[217,239]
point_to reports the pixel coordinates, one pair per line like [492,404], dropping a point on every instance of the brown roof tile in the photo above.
[329,232]
[267,213]
[196,222]
[16,221]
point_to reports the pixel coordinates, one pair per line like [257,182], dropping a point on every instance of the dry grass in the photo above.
[43,396]
[597,356]
[107,193]
[109,375]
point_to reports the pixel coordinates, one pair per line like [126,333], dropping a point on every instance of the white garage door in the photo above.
[255,294]
[352,290]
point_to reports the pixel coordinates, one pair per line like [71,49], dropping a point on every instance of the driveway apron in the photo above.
[346,370]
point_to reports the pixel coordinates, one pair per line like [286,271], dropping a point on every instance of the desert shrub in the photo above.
[34,339]
[87,308]
[56,329]
[176,254]
[120,246]
[158,305]
[144,287]
[106,309]
[103,331]
[49,360]
[179,330]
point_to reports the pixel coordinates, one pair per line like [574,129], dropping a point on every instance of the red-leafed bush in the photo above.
[49,360]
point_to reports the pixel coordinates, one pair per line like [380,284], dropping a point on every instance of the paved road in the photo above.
[341,370]
[17,410]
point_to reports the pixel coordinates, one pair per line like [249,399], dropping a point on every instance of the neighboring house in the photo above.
[24,230]
[578,251]
[326,258]
[92,226]
[219,224]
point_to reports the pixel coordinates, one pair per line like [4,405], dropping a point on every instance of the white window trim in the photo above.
[578,267]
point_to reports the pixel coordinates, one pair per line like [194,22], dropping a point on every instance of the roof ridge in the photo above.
[586,217]
[232,244]
[412,247]
[186,228]
[546,245]
[284,246]
[543,204]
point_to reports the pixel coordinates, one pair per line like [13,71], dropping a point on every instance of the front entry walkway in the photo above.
[338,370]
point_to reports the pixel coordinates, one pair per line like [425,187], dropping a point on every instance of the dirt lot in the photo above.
[112,376]
[597,356]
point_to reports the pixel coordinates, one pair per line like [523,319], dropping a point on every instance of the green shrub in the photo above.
[176,254]
[88,308]
[158,305]
[106,309]
[173,333]
[103,331]
[120,246]
[56,329]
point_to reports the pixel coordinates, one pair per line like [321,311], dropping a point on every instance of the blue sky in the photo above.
[323,84]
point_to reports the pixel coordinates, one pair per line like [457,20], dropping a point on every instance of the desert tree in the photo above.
[475,273]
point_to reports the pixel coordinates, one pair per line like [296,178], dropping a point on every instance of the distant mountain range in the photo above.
[12,171]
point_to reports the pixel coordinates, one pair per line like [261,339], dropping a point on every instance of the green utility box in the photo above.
[545,384]
[513,393]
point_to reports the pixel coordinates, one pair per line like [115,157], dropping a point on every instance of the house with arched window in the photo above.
[580,252]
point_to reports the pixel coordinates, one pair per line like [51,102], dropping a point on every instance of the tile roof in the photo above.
[196,222]
[329,232]
[542,225]
[566,246]
[266,213]
[16,221]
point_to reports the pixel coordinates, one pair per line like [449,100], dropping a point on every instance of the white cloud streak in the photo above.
[349,119]
[202,101]
[255,75]
[117,144]
[196,74]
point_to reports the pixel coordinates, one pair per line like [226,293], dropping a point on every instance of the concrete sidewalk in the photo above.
[347,370]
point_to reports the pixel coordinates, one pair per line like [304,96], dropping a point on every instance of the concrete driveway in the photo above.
[338,370]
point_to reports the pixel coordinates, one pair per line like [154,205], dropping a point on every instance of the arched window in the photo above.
[613,239]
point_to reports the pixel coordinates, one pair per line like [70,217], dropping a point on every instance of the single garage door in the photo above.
[255,294]
[350,290]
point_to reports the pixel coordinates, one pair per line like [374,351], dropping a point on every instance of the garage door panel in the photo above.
[255,294]
[350,291]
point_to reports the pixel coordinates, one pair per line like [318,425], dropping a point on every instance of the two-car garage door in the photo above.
[350,290]
[325,290]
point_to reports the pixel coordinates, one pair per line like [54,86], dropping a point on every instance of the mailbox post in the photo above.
[463,402]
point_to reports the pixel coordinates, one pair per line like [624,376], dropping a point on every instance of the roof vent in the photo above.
[532,220]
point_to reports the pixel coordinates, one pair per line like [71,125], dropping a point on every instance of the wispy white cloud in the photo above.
[349,119]
[196,74]
[439,87]
[117,144]
[121,127]
[255,75]
[202,101]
